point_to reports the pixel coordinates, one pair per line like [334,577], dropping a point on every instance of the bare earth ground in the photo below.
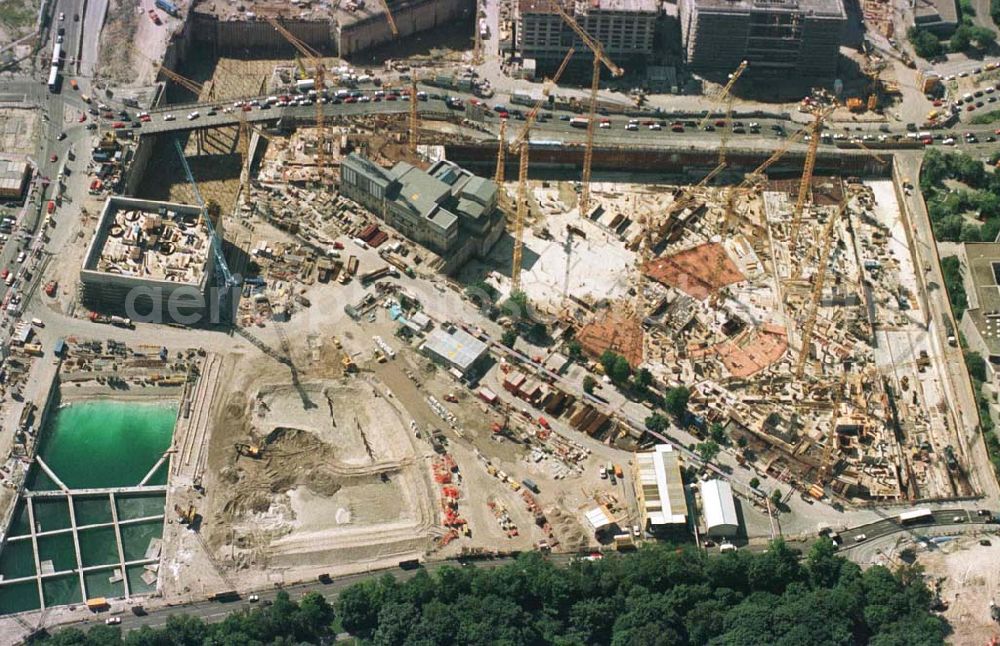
[969,581]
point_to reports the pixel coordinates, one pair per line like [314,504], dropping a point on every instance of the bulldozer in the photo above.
[254,451]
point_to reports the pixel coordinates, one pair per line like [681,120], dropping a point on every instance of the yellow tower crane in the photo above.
[522,143]
[390,19]
[731,216]
[826,241]
[414,118]
[319,80]
[600,58]
[500,174]
[725,94]
[819,114]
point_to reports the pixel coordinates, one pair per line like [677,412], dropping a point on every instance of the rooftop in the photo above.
[659,475]
[151,241]
[984,299]
[936,11]
[718,506]
[830,8]
[582,6]
[12,174]
[458,347]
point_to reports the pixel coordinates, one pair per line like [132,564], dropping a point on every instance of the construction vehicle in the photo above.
[348,363]
[254,451]
[186,516]
[600,58]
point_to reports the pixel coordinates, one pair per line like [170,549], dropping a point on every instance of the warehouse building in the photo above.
[624,27]
[150,261]
[454,347]
[781,36]
[14,176]
[980,324]
[719,509]
[446,208]
[661,490]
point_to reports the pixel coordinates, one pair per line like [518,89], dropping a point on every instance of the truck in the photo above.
[304,85]
[530,485]
[370,277]
[579,122]
[949,330]
[122,321]
[168,7]
[352,266]
[96,604]
[228,595]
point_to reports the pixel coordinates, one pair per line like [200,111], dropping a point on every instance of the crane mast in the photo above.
[600,58]
[826,241]
[319,80]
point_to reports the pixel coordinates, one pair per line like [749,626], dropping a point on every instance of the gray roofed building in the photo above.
[14,175]
[456,348]
[980,323]
[446,208]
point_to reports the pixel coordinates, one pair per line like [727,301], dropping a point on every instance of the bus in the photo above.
[916,516]
[53,79]
[57,55]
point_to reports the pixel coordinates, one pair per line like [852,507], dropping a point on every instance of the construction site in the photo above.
[424,288]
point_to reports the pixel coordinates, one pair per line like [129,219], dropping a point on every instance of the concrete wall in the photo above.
[242,36]
[412,17]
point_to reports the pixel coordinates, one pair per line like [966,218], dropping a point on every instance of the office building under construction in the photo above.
[801,36]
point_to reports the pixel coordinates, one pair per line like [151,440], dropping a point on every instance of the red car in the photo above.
[4,274]
[938,103]
[83,117]
[118,124]
[52,207]
[53,158]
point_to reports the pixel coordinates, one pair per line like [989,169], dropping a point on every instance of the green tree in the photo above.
[707,451]
[676,401]
[574,350]
[976,365]
[925,44]
[754,482]
[509,338]
[516,306]
[718,434]
[643,379]
[589,383]
[656,422]
[776,497]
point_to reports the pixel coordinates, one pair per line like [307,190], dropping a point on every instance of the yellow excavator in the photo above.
[254,451]
[186,516]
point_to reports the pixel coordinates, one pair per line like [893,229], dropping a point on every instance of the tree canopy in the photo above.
[658,595]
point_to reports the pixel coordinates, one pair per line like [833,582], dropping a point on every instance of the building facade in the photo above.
[446,208]
[624,27]
[779,36]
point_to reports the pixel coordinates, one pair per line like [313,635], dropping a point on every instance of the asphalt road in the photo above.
[216,611]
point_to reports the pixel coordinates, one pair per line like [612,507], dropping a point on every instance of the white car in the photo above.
[950,141]
[62,16]
[194,115]
[21,257]
[655,126]
[605,124]
[253,598]
[113,621]
[169,117]
[632,126]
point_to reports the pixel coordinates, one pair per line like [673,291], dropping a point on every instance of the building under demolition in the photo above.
[446,208]
[624,27]
[150,261]
[778,36]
